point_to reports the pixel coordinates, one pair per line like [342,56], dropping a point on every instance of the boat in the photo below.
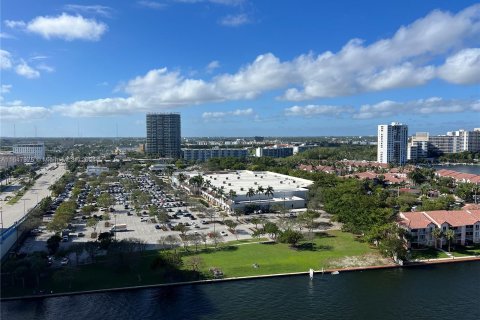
[311,273]
[335,272]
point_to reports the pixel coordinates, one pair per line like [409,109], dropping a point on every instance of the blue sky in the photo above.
[238,67]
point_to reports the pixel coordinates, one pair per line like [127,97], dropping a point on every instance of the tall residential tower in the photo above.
[163,135]
[392,143]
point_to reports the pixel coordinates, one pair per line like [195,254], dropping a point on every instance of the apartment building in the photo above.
[30,151]
[163,135]
[392,143]
[420,225]
[205,154]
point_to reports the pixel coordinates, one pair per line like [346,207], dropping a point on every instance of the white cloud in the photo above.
[64,26]
[15,24]
[45,67]
[220,2]
[152,4]
[24,70]
[235,20]
[89,9]
[24,113]
[222,114]
[5,60]
[318,110]
[5,88]
[212,66]
[432,105]
[4,35]
[462,67]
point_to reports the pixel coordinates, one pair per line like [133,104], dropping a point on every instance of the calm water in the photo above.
[431,292]
[475,169]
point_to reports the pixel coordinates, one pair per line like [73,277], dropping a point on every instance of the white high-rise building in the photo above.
[392,143]
[418,146]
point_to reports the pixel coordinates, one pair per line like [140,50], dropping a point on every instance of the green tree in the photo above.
[292,237]
[449,236]
[436,234]
[53,243]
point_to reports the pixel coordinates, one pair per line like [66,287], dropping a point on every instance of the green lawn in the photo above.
[280,258]
[428,253]
[234,259]
[466,251]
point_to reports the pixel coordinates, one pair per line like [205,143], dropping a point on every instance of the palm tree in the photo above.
[260,191]
[449,235]
[207,184]
[250,194]
[269,191]
[436,234]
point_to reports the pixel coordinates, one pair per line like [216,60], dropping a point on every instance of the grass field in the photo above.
[234,259]
[428,253]
[466,251]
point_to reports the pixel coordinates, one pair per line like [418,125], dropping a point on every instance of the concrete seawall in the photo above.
[199,282]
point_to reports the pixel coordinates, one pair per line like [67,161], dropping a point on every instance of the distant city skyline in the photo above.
[239,67]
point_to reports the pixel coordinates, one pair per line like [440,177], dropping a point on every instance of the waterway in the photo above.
[474,169]
[449,291]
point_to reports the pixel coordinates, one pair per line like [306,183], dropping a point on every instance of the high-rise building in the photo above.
[418,146]
[163,135]
[392,143]
[456,141]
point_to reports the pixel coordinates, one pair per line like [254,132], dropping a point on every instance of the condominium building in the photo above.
[420,225]
[418,146]
[9,159]
[456,141]
[30,151]
[205,154]
[163,135]
[392,143]
[274,152]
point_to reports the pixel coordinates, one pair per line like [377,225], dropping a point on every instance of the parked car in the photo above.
[223,233]
[144,219]
[157,226]
[64,261]
[81,234]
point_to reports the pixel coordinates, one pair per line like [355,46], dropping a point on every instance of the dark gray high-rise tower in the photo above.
[163,135]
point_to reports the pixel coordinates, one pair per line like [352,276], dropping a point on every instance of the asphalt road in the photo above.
[12,213]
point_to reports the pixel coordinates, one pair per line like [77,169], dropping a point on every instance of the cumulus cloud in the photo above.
[5,60]
[462,67]
[432,105]
[4,35]
[24,70]
[318,110]
[222,114]
[235,20]
[23,113]
[15,24]
[64,26]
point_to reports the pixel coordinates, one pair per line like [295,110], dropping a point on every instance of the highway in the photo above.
[10,214]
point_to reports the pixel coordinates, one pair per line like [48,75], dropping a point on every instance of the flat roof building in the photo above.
[163,135]
[245,189]
[30,151]
[274,152]
[205,154]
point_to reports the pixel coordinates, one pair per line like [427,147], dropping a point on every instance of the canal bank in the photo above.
[331,271]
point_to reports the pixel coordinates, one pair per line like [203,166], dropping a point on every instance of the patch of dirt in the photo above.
[359,261]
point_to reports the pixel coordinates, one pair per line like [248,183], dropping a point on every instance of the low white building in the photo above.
[249,190]
[95,170]
[9,159]
[30,151]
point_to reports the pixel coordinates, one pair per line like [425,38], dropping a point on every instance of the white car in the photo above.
[223,233]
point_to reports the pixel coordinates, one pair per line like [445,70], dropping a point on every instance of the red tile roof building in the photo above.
[465,223]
